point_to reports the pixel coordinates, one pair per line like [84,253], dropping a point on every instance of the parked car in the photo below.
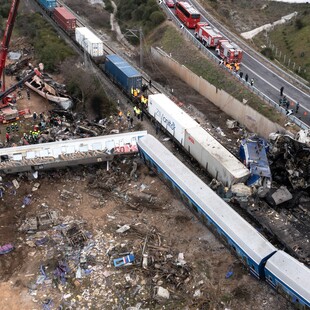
[170,3]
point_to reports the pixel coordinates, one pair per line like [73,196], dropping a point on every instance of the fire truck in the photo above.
[207,35]
[229,52]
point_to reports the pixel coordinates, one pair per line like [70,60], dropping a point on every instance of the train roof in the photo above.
[237,229]
[89,35]
[65,13]
[170,108]
[291,272]
[123,65]
[218,151]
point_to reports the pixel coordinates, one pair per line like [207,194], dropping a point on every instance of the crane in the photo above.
[5,42]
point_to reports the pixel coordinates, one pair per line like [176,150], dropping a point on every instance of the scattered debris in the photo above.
[124,261]
[7,248]
[279,196]
[123,229]
[162,293]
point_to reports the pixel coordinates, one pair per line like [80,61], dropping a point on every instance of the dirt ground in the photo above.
[80,196]
[98,203]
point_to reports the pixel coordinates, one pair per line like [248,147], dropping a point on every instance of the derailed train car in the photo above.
[203,147]
[265,262]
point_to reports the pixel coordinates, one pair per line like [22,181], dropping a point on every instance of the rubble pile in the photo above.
[295,157]
[85,268]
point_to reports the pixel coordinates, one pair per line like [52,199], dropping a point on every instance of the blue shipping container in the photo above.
[48,4]
[122,73]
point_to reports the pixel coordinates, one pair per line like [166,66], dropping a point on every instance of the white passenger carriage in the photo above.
[289,277]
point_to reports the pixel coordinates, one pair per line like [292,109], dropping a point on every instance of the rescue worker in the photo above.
[7,136]
[128,119]
[120,116]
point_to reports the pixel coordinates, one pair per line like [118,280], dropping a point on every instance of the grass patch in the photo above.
[293,40]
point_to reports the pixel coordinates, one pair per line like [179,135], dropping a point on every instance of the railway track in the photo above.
[108,50]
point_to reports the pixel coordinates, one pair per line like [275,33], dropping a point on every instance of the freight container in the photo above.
[214,157]
[170,116]
[48,4]
[122,73]
[65,19]
[89,41]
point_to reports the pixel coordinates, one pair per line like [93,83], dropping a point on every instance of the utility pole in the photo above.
[141,47]
[133,33]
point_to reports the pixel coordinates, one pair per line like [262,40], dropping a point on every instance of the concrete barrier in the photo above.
[244,114]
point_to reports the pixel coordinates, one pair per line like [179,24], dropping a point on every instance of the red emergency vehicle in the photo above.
[187,14]
[229,52]
[207,35]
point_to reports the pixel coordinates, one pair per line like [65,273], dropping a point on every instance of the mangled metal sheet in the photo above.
[68,152]
[294,157]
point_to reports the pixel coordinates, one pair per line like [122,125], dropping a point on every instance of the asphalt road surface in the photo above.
[268,78]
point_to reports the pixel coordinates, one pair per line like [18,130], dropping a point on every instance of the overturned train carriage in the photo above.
[245,241]
[208,152]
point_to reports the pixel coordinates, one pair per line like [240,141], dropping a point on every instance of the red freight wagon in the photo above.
[65,19]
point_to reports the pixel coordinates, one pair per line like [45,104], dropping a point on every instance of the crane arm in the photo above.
[7,37]
[21,82]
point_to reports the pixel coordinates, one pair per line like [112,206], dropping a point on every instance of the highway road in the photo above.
[268,78]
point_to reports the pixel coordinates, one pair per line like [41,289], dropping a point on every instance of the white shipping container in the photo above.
[89,41]
[214,157]
[170,116]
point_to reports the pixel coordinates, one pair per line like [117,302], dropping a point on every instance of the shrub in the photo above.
[299,24]
[157,18]
[267,51]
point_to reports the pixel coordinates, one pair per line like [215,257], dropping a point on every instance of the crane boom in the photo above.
[21,82]
[7,37]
